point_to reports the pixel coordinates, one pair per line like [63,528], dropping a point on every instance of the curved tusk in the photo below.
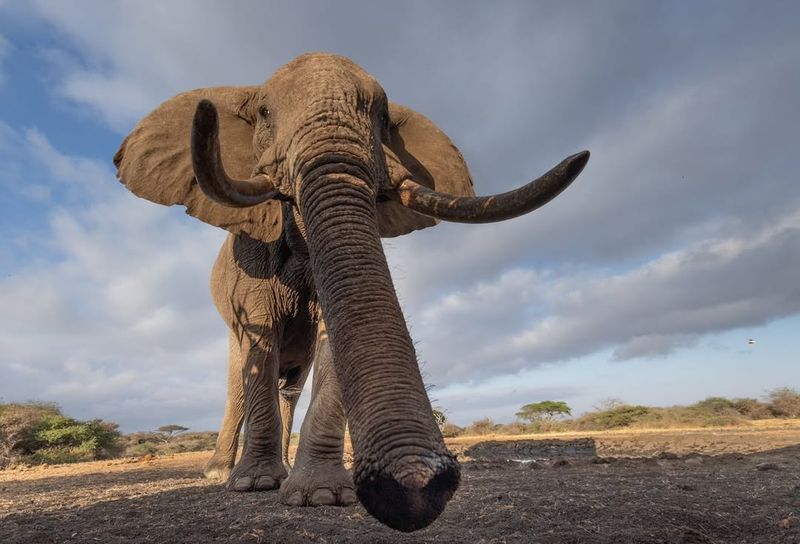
[488,209]
[209,171]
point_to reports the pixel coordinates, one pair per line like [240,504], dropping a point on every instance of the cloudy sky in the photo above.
[643,281]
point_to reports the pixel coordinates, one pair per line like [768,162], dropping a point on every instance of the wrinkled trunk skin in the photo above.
[403,473]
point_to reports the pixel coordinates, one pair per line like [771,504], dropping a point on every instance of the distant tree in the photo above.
[547,409]
[171,431]
[439,417]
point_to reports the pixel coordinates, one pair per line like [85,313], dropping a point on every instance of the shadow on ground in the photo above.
[668,499]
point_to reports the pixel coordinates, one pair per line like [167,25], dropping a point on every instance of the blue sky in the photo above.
[643,281]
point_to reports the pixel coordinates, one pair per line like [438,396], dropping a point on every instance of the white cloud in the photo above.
[121,313]
[525,318]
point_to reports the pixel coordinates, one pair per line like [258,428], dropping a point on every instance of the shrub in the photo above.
[714,405]
[142,448]
[40,433]
[451,430]
[621,416]
[18,426]
[784,402]
[751,408]
[481,427]
[549,426]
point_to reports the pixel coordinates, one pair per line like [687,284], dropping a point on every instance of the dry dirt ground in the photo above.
[678,486]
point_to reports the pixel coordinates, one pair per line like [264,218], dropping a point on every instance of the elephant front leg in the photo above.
[221,463]
[261,466]
[318,476]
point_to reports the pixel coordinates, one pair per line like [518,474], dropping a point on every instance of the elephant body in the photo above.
[302,280]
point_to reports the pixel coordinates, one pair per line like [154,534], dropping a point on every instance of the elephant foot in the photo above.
[323,484]
[219,467]
[256,475]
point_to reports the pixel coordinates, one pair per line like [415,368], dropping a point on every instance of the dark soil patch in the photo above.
[530,450]
[676,499]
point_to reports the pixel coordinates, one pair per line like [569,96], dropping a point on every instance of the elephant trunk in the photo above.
[403,473]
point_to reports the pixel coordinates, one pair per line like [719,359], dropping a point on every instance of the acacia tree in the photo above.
[547,409]
[171,431]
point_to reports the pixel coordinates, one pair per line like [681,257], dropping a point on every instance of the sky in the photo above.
[643,281]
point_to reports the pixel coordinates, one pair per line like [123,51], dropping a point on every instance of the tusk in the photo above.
[488,209]
[209,171]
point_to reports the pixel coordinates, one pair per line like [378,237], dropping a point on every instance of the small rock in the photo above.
[560,463]
[686,487]
[787,523]
[667,455]
[768,466]
[601,460]
[694,461]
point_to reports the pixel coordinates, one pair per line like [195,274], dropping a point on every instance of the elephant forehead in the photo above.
[316,70]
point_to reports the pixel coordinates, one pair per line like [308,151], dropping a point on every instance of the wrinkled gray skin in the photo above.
[341,167]
[249,286]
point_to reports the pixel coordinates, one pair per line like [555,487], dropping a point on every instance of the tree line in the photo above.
[37,433]
[556,416]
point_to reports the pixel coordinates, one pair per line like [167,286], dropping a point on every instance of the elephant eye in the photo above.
[263,111]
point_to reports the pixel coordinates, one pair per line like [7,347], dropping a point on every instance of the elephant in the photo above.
[308,172]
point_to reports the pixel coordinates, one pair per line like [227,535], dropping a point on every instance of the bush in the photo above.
[481,427]
[18,426]
[621,416]
[40,433]
[153,443]
[451,430]
[141,448]
[751,408]
[512,428]
[549,426]
[784,402]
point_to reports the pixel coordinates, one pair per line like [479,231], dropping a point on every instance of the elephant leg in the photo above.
[290,388]
[260,467]
[221,463]
[318,476]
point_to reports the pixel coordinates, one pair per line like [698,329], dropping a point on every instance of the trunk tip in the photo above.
[415,497]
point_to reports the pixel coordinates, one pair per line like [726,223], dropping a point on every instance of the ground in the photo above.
[678,486]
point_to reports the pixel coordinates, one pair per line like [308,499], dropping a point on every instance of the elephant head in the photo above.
[321,139]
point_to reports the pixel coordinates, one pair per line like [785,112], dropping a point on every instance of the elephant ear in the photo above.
[433,161]
[154,161]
